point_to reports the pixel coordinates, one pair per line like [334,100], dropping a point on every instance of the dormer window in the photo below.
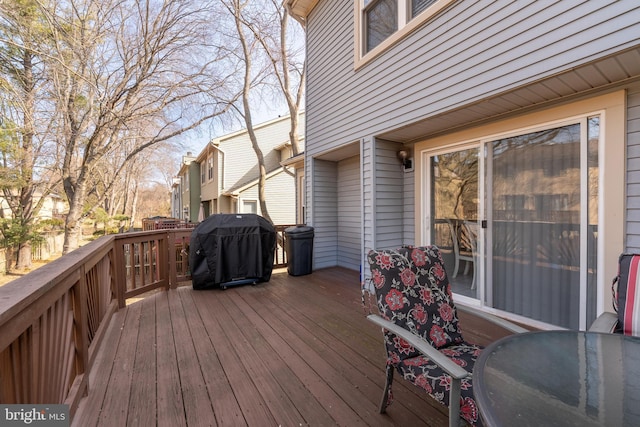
[381,23]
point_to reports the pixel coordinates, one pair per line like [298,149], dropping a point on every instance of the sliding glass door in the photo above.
[454,209]
[518,224]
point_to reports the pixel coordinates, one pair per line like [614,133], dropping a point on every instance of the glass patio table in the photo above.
[559,378]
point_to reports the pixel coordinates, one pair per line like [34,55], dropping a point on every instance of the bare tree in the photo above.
[279,38]
[251,74]
[128,65]
[261,31]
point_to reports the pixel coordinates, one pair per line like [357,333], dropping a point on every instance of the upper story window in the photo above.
[381,23]
[210,167]
[418,6]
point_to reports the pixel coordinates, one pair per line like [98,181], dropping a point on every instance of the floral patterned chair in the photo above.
[421,332]
[626,300]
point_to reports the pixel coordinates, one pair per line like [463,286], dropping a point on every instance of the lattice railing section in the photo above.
[53,351]
[42,361]
[142,263]
[98,297]
[53,320]
[180,255]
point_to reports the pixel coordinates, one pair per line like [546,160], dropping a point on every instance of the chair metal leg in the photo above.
[387,397]
[454,403]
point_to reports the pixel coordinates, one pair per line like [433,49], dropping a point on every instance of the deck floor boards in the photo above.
[293,351]
[170,406]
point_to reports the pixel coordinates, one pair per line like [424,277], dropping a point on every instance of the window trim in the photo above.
[253,202]
[406,25]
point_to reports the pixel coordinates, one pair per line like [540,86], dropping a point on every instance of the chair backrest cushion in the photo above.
[626,298]
[413,291]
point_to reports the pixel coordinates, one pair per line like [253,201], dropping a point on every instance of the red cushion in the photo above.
[627,300]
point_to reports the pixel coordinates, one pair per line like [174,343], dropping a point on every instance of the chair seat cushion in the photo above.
[422,372]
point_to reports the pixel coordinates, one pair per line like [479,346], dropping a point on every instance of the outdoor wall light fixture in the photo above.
[406,161]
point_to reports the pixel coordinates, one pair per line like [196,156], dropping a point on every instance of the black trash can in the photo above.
[299,249]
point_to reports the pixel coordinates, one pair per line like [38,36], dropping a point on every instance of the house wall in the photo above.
[470,51]
[224,204]
[240,162]
[194,191]
[209,189]
[301,202]
[325,211]
[408,213]
[236,171]
[279,197]
[349,213]
[176,200]
[368,153]
[494,67]
[633,169]
[389,196]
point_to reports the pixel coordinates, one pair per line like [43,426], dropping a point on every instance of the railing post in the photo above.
[172,254]
[164,259]
[120,274]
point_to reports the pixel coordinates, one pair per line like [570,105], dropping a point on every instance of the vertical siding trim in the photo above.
[362,214]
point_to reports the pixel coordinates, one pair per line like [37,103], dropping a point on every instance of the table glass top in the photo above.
[560,378]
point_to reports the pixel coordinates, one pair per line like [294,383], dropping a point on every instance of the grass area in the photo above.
[14,274]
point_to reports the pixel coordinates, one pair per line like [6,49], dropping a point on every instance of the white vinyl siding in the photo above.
[349,213]
[325,213]
[408,218]
[389,196]
[279,195]
[240,160]
[633,169]
[368,200]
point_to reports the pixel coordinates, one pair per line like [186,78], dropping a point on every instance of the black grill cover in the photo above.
[227,248]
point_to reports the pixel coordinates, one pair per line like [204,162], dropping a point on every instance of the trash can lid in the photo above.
[298,229]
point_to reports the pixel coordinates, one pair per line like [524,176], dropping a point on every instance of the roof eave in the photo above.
[300,9]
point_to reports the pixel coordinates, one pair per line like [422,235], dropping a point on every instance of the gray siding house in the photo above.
[507,133]
[189,188]
[229,173]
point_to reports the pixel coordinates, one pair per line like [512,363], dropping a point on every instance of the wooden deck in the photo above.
[294,351]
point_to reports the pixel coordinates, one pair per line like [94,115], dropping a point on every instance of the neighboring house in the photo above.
[296,163]
[189,188]
[176,198]
[53,207]
[228,174]
[520,122]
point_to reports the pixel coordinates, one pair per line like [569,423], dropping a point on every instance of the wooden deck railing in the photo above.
[280,257]
[53,319]
[149,224]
